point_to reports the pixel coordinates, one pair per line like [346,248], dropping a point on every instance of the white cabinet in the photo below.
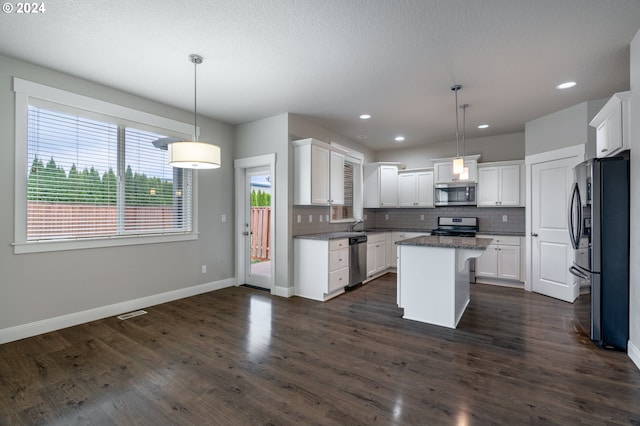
[499,184]
[444,171]
[376,253]
[501,260]
[319,173]
[415,188]
[612,125]
[392,248]
[380,185]
[321,267]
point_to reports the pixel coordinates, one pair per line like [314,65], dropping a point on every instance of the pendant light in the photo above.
[458,162]
[464,175]
[194,154]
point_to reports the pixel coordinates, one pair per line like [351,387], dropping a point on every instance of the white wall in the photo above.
[562,129]
[634,261]
[41,286]
[267,136]
[493,148]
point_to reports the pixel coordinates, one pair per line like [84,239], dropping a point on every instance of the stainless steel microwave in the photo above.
[455,194]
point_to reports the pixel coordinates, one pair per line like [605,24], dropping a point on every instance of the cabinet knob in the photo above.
[533,234]
[604,150]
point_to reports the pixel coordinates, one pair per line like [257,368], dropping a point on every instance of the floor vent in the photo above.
[131,315]
[255,287]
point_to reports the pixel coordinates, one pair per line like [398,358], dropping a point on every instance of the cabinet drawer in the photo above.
[501,239]
[338,259]
[376,238]
[338,244]
[508,241]
[338,279]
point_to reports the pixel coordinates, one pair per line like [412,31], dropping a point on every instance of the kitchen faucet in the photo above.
[354,224]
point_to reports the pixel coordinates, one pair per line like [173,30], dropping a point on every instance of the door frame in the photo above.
[576,151]
[241,165]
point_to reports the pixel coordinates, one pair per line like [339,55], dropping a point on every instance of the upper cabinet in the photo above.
[612,126]
[380,185]
[443,170]
[319,173]
[500,184]
[415,188]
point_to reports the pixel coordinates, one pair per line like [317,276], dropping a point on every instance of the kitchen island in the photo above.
[433,277]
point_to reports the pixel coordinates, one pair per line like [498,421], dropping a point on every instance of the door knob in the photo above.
[533,234]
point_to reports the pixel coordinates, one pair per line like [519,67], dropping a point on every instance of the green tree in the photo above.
[34,181]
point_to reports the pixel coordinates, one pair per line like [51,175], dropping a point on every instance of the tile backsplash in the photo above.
[314,220]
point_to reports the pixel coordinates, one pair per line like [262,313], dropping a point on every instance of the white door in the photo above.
[257,227]
[551,251]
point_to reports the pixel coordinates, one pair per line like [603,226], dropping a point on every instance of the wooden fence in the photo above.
[261,237]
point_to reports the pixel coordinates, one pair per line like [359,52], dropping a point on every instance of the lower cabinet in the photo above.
[501,261]
[376,253]
[392,249]
[321,267]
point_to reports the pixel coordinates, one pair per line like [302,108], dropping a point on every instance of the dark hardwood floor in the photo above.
[239,356]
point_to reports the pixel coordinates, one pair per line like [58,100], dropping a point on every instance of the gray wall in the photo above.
[492,148]
[39,286]
[564,128]
[634,320]
[267,136]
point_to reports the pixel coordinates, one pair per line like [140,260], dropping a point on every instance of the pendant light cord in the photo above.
[464,129]
[455,88]
[195,99]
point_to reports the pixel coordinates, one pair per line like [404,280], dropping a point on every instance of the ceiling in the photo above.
[332,60]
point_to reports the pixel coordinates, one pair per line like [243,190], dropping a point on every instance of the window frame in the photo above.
[25,90]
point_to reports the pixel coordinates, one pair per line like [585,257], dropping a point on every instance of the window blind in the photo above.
[93,177]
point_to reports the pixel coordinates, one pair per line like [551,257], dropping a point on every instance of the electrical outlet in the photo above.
[224,218]
[320,218]
[504,218]
[365,217]
[310,218]
[421,217]
[386,217]
[327,218]
[299,219]
[204,269]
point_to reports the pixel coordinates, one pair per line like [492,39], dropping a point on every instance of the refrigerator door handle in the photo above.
[575,229]
[575,271]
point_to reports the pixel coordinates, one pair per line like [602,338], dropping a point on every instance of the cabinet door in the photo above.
[488,182]
[319,175]
[406,189]
[609,133]
[509,262]
[381,256]
[424,189]
[486,264]
[336,179]
[443,172]
[371,259]
[509,189]
[388,186]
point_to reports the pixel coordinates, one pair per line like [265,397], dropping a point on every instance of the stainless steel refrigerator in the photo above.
[599,231]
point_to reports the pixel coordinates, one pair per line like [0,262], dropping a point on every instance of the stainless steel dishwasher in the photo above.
[357,260]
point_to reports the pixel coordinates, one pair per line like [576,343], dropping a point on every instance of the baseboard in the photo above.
[57,323]
[283,291]
[634,353]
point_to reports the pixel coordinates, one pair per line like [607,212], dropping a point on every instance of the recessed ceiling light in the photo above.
[399,138]
[483,126]
[362,136]
[365,116]
[567,85]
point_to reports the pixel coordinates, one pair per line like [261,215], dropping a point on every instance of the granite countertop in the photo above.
[448,242]
[331,235]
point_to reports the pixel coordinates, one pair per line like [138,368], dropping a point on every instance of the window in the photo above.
[352,207]
[95,174]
